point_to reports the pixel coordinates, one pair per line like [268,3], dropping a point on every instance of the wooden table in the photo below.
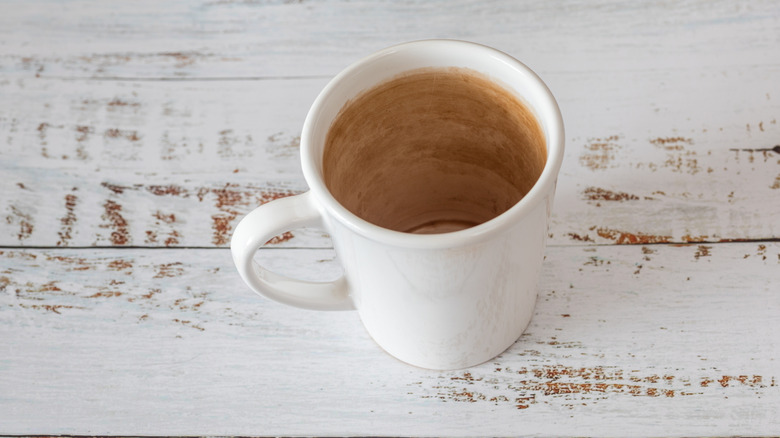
[136,134]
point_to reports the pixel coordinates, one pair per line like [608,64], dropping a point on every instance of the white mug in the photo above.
[438,301]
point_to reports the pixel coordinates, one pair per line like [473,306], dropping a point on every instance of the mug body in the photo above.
[449,300]
[445,307]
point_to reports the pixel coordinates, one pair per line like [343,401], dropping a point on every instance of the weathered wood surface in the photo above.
[678,120]
[626,341]
[177,163]
[230,39]
[129,127]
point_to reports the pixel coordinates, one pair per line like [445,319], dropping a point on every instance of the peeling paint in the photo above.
[284,237]
[694,239]
[119,265]
[222,226]
[131,135]
[163,220]
[671,143]
[173,269]
[600,152]
[575,236]
[117,189]
[599,194]
[526,387]
[167,190]
[623,237]
[71,263]
[678,157]
[53,308]
[702,251]
[116,223]
[107,294]
[119,103]
[188,324]
[183,59]
[231,196]
[24,219]
[68,221]
[42,128]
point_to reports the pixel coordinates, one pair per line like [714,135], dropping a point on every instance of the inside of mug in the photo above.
[433,150]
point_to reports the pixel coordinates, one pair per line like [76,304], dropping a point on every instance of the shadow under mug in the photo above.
[438,301]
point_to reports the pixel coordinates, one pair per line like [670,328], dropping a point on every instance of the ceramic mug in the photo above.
[438,301]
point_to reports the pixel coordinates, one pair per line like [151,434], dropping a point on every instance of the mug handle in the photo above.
[272,219]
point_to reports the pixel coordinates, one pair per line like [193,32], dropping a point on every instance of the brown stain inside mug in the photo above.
[433,151]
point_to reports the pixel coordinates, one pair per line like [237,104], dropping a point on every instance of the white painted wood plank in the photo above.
[230,38]
[651,167]
[662,340]
[67,208]
[146,164]
[155,127]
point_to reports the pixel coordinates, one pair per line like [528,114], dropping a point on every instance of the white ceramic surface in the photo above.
[439,301]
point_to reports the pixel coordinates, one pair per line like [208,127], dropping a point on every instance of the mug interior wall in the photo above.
[386,65]
[441,196]
[433,150]
[432,53]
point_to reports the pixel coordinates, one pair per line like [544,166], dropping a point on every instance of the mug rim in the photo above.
[544,185]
